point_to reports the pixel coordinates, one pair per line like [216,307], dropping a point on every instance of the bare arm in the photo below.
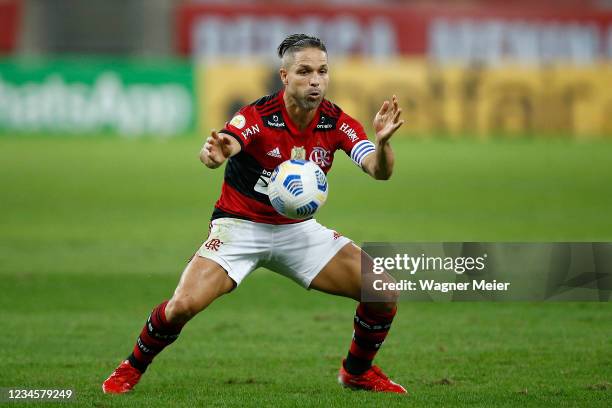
[218,148]
[379,165]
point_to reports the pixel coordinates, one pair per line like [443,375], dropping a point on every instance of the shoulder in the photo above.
[331,109]
[266,104]
[259,107]
[339,121]
[267,110]
[337,115]
[256,118]
[265,100]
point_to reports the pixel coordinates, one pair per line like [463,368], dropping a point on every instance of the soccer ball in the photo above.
[297,189]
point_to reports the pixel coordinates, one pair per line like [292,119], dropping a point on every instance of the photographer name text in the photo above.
[431,285]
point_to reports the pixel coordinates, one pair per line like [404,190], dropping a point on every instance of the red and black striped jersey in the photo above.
[268,138]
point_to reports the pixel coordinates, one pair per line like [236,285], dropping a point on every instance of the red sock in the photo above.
[371,328]
[154,337]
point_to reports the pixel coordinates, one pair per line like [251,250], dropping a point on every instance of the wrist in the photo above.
[381,142]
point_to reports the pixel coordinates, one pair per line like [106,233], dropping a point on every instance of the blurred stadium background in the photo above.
[104,106]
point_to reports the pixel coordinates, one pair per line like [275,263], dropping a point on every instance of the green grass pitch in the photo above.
[95,232]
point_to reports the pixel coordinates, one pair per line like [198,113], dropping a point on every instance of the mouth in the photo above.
[314,94]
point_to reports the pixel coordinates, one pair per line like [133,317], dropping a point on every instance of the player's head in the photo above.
[304,69]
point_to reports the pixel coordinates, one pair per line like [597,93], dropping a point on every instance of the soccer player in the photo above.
[246,232]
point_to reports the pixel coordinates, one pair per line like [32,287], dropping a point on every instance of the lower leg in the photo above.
[157,334]
[371,326]
[201,283]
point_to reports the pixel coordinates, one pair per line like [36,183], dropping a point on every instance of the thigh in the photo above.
[301,250]
[202,281]
[228,255]
[238,246]
[343,276]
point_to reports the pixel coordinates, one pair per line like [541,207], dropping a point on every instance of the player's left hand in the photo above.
[387,121]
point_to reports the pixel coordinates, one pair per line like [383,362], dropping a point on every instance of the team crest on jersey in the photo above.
[320,156]
[238,121]
[298,153]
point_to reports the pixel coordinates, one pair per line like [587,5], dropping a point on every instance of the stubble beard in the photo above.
[308,105]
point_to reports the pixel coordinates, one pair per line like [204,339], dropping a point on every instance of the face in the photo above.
[305,77]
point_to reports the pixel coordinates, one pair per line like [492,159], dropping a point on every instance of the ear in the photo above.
[283,76]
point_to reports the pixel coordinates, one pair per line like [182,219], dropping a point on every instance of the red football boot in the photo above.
[372,380]
[122,380]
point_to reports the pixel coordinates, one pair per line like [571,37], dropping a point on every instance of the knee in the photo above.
[392,298]
[386,298]
[180,310]
[389,297]
[386,302]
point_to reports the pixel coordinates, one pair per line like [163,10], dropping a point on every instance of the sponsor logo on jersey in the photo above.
[274,120]
[349,131]
[274,153]
[250,131]
[298,153]
[262,183]
[238,121]
[326,123]
[320,156]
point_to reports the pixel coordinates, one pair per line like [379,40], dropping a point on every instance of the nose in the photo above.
[315,79]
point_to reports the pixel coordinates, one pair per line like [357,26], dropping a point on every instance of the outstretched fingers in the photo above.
[398,125]
[397,112]
[384,108]
[390,107]
[397,115]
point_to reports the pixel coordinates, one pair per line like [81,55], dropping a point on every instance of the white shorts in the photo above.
[297,251]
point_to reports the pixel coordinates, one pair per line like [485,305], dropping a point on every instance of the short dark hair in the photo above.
[297,42]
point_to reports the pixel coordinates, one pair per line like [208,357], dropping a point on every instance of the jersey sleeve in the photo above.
[353,139]
[243,126]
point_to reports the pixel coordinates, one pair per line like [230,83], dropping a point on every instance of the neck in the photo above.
[298,115]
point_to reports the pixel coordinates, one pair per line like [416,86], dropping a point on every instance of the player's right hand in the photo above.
[216,150]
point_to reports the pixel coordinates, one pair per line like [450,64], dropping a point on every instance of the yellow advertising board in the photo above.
[505,101]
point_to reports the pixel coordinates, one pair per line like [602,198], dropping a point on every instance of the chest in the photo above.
[274,146]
